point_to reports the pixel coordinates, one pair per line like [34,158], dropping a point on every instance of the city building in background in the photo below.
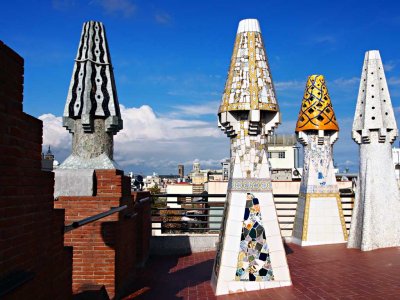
[226,169]
[201,176]
[181,171]
[151,181]
[283,154]
[48,161]
[396,161]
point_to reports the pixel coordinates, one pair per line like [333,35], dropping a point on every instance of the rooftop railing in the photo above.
[113,210]
[80,223]
[195,213]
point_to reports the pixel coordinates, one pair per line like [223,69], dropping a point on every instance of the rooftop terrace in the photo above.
[318,272]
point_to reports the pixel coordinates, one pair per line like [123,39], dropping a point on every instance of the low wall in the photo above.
[142,208]
[167,244]
[34,264]
[108,251]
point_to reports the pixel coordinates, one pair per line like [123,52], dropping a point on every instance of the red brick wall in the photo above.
[30,229]
[143,206]
[105,251]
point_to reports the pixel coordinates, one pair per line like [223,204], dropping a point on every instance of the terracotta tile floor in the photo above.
[318,272]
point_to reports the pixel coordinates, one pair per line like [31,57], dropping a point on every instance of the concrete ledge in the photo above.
[68,182]
[168,244]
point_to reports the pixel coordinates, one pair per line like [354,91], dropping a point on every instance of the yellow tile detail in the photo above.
[339,205]
[306,215]
[228,86]
[253,87]
[316,112]
[341,215]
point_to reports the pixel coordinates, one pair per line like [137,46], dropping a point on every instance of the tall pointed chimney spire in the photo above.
[91,111]
[374,110]
[249,85]
[317,130]
[92,92]
[250,254]
[375,222]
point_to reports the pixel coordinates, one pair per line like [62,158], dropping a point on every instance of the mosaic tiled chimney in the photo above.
[250,253]
[319,216]
[91,114]
[375,222]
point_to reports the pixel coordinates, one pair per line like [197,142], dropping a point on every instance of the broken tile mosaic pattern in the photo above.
[248,114]
[254,262]
[252,184]
[318,173]
[319,215]
[250,148]
[249,84]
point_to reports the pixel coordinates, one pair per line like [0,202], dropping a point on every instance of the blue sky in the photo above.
[171,58]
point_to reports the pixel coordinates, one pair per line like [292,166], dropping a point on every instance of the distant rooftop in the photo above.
[170,176]
[282,140]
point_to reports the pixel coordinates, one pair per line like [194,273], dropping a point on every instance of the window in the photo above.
[276,154]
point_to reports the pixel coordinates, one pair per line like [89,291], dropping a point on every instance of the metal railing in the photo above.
[80,223]
[113,210]
[206,216]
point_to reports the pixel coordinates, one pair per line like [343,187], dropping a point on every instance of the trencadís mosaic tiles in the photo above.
[254,262]
[252,184]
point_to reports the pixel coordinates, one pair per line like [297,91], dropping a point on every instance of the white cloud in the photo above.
[206,163]
[162,18]
[393,81]
[291,104]
[286,127]
[394,88]
[142,123]
[196,86]
[149,142]
[123,7]
[390,65]
[157,79]
[289,85]
[348,163]
[54,134]
[346,82]
[297,85]
[324,39]
[210,108]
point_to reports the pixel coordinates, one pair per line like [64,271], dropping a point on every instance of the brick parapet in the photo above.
[144,223]
[105,250]
[31,230]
